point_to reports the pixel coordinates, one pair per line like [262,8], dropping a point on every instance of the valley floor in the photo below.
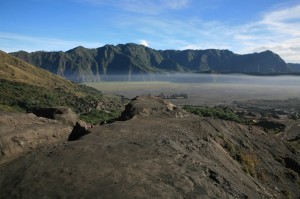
[200,93]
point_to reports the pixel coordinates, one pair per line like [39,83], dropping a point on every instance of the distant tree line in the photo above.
[174,96]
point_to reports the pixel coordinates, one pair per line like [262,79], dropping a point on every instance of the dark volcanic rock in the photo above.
[272,125]
[292,164]
[62,114]
[77,132]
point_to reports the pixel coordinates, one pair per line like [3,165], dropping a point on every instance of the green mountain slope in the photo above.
[25,87]
[87,65]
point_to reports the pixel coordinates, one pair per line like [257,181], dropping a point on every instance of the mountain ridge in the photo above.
[95,64]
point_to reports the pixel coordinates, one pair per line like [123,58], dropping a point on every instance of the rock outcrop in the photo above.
[146,106]
[63,114]
[158,155]
[20,133]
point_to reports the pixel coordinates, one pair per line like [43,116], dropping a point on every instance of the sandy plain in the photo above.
[201,93]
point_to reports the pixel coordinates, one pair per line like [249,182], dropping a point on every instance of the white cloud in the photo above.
[177,34]
[96,2]
[282,15]
[144,43]
[141,6]
[176,4]
[10,42]
[201,46]
[289,49]
[152,7]
[278,30]
[285,21]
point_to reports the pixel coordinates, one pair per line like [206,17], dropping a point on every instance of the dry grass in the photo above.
[25,87]
[16,70]
[249,162]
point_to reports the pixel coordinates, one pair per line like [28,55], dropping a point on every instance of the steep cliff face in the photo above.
[201,60]
[264,62]
[294,67]
[85,65]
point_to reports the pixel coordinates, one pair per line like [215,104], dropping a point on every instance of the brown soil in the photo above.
[22,132]
[160,151]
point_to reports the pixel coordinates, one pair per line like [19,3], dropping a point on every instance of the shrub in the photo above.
[98,116]
[216,112]
[249,163]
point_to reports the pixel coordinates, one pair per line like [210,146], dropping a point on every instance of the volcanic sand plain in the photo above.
[201,93]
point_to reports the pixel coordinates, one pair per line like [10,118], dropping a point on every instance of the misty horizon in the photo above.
[290,80]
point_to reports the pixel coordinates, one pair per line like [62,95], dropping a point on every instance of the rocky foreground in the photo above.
[156,150]
[20,132]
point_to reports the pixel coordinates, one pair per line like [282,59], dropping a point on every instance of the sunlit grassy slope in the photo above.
[16,70]
[25,87]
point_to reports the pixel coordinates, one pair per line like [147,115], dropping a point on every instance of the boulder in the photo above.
[63,114]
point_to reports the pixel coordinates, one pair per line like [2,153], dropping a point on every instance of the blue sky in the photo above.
[241,26]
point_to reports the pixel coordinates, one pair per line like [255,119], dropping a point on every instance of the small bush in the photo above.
[230,148]
[249,163]
[221,136]
[220,113]
[97,116]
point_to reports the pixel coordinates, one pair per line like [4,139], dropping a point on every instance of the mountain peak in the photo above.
[77,49]
[131,45]
[82,64]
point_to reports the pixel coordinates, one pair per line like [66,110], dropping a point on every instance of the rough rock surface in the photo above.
[22,132]
[150,106]
[63,114]
[158,156]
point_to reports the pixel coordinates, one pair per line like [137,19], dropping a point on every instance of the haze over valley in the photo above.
[208,89]
[149,99]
